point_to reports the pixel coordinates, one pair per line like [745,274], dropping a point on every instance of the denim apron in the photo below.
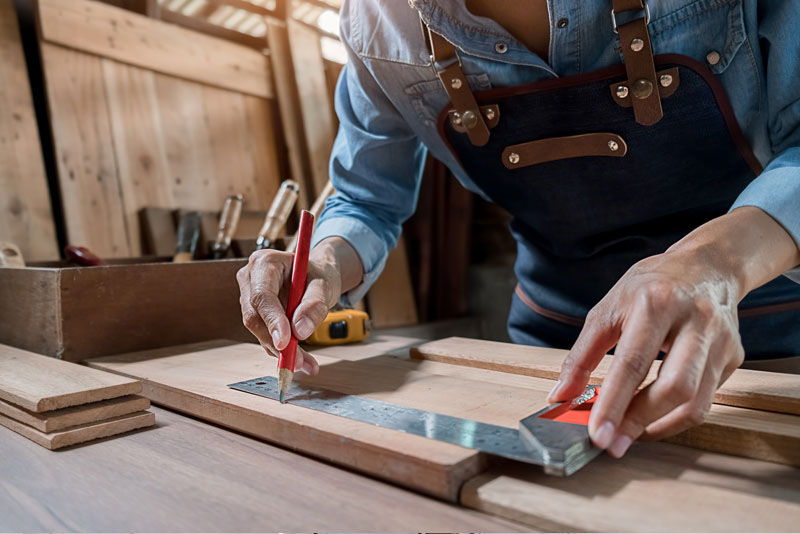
[601,170]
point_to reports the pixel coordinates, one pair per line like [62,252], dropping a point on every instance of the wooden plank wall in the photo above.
[26,218]
[145,113]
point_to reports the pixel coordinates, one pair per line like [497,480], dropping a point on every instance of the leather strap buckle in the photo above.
[646,16]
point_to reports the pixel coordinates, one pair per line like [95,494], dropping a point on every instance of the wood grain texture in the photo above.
[26,218]
[127,37]
[656,488]
[190,476]
[391,298]
[82,433]
[87,166]
[746,388]
[40,384]
[76,415]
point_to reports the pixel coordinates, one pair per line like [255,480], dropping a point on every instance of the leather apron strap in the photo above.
[637,52]
[445,60]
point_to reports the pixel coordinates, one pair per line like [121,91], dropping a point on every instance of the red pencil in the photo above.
[288,355]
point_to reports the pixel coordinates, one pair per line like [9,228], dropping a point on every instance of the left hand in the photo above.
[678,303]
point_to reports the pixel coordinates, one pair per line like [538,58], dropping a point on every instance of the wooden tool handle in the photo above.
[10,255]
[228,221]
[298,285]
[278,213]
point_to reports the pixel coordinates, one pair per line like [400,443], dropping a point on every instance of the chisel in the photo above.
[188,235]
[278,212]
[228,221]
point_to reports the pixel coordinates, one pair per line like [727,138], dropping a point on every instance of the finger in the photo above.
[313,308]
[638,346]
[678,382]
[306,362]
[250,317]
[694,412]
[597,337]
[268,274]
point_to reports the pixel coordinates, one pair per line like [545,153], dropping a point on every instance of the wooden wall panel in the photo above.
[87,167]
[25,215]
[267,146]
[111,32]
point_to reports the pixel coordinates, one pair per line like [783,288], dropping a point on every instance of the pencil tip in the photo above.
[283,397]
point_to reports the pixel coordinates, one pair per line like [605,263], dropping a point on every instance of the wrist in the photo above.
[339,257]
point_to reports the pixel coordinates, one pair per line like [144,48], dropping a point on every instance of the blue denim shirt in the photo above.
[388,96]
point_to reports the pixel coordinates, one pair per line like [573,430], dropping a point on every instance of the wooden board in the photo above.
[83,433]
[76,415]
[40,384]
[192,379]
[195,477]
[745,388]
[134,39]
[26,218]
[391,298]
[656,488]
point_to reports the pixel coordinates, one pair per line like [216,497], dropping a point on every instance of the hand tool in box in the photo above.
[10,255]
[82,256]
[316,210]
[555,438]
[188,235]
[228,221]
[286,360]
[341,326]
[277,215]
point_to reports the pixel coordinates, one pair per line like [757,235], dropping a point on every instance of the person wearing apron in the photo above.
[650,158]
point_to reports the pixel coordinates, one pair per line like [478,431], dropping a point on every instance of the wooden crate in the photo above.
[75,313]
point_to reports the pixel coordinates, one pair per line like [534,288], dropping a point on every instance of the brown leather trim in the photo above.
[489,96]
[490,113]
[555,148]
[640,68]
[665,92]
[769,309]
[550,314]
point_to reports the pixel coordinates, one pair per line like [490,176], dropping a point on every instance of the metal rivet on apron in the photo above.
[713,57]
[642,88]
[456,119]
[562,23]
[513,158]
[469,119]
[622,91]
[490,114]
[637,44]
[455,83]
[665,80]
[501,48]
[613,145]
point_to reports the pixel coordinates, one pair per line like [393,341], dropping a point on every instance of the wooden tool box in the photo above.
[75,313]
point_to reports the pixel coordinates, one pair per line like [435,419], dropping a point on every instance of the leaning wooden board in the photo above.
[745,388]
[40,384]
[193,380]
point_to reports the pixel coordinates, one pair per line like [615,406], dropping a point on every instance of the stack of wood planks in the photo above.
[718,491]
[57,404]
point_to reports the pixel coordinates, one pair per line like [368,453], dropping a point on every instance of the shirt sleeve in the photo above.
[777,189]
[376,167]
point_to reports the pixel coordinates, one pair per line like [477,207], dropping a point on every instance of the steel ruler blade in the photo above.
[497,440]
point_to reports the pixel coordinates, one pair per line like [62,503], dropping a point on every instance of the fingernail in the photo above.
[602,438]
[620,446]
[304,327]
[553,395]
[276,337]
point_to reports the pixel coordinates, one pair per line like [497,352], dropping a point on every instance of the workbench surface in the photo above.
[191,476]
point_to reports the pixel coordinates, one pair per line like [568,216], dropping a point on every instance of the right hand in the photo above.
[264,287]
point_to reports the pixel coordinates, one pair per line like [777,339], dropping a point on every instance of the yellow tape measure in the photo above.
[341,326]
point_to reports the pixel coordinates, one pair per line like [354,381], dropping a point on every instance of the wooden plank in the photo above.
[746,388]
[130,38]
[205,479]
[266,143]
[26,218]
[192,379]
[655,488]
[83,433]
[391,298]
[64,418]
[41,384]
[159,234]
[87,169]
[315,105]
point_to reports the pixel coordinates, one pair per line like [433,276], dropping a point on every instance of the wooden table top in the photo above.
[187,475]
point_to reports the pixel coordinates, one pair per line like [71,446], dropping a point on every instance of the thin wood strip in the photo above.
[124,36]
[76,415]
[759,390]
[83,433]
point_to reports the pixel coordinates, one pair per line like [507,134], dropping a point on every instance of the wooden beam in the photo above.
[203,26]
[137,40]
